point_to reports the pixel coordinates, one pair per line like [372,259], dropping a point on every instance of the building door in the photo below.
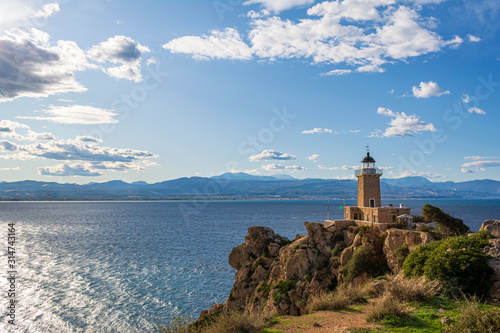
[372,202]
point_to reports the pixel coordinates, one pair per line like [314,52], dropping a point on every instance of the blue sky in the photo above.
[96,90]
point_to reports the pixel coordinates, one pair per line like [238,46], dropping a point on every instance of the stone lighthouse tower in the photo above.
[368,183]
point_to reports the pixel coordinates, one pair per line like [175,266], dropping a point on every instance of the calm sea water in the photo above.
[125,266]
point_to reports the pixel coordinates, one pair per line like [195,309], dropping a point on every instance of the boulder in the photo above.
[493,226]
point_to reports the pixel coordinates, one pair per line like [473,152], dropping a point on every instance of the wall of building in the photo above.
[368,188]
[378,214]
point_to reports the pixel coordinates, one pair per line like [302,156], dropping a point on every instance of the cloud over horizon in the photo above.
[269,155]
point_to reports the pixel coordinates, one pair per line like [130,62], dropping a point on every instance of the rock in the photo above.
[494,251]
[396,238]
[493,226]
[346,255]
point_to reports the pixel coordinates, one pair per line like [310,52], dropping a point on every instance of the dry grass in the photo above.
[474,319]
[236,322]
[410,290]
[177,325]
[389,306]
[341,299]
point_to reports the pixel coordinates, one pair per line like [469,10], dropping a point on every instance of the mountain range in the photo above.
[245,186]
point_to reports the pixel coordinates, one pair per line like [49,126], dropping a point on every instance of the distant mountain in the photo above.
[245,186]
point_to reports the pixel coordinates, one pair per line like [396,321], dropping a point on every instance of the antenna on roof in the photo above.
[367,148]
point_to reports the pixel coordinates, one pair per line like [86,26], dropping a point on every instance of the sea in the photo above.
[127,266]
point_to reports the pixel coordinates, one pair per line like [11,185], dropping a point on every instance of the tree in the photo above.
[448,223]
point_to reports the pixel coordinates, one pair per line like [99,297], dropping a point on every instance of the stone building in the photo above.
[369,206]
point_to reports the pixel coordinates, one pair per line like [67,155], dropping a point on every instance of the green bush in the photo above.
[446,223]
[364,261]
[458,262]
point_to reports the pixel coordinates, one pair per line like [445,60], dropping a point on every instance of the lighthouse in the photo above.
[369,207]
[368,183]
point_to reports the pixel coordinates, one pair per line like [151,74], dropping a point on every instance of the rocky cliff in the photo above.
[278,275]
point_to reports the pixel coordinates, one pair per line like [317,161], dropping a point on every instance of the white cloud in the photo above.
[278,167]
[481,164]
[464,170]
[120,50]
[47,10]
[71,150]
[88,139]
[269,155]
[152,60]
[428,89]
[226,44]
[313,157]
[76,114]
[403,124]
[344,167]
[337,72]
[473,38]
[30,66]
[318,131]
[10,169]
[476,110]
[417,174]
[65,170]
[9,129]
[277,6]
[363,34]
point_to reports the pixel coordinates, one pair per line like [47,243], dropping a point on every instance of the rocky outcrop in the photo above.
[493,250]
[278,275]
[399,243]
[492,226]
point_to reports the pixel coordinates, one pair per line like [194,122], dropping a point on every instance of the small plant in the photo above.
[178,324]
[236,322]
[388,307]
[475,319]
[284,288]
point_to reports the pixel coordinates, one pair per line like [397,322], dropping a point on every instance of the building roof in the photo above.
[368,159]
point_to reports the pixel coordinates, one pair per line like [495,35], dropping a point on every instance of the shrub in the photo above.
[459,262]
[446,222]
[236,322]
[388,307]
[474,319]
[401,253]
[178,325]
[341,299]
[410,290]
[364,261]
[326,301]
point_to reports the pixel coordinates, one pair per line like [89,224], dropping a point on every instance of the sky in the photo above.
[99,90]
